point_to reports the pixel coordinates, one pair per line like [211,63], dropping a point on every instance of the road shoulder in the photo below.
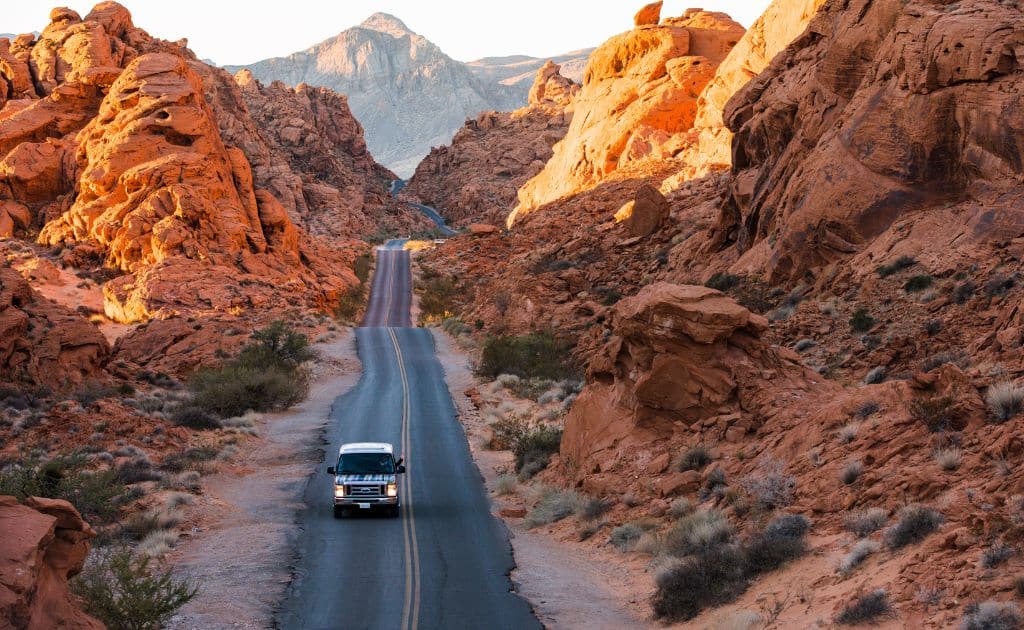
[565,589]
[244,554]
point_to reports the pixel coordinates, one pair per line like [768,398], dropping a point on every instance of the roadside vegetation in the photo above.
[352,303]
[267,375]
[537,355]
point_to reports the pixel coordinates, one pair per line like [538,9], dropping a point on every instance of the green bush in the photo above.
[194,417]
[695,458]
[232,390]
[865,608]
[350,303]
[437,297]
[688,586]
[537,445]
[267,375]
[918,283]
[898,265]
[915,523]
[861,320]
[97,495]
[536,355]
[125,593]
[722,281]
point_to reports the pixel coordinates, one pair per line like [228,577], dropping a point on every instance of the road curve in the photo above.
[445,562]
[431,213]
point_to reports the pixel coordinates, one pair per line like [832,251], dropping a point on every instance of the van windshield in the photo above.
[366,464]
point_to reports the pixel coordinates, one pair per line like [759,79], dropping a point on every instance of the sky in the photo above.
[243,31]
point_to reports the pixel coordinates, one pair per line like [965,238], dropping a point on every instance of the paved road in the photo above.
[445,562]
[396,187]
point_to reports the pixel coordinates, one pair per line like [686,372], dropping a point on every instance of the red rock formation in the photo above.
[475,179]
[781,23]
[42,342]
[679,357]
[45,542]
[638,103]
[880,110]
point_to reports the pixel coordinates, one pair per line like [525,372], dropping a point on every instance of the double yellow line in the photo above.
[411,609]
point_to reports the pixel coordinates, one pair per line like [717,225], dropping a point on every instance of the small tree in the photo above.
[125,593]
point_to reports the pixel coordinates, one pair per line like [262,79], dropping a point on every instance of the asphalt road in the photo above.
[431,213]
[445,562]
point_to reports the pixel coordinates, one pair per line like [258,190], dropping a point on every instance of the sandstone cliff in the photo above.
[475,179]
[45,542]
[406,92]
[881,110]
[197,190]
[638,103]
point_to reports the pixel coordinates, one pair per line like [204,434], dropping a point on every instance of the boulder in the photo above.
[644,214]
[45,543]
[648,15]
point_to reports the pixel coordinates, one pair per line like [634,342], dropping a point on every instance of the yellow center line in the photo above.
[410,610]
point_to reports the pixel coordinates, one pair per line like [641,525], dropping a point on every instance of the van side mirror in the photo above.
[400,469]
[330,470]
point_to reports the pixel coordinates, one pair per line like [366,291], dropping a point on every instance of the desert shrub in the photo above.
[964,291]
[861,320]
[918,283]
[189,459]
[233,390]
[913,524]
[266,375]
[536,447]
[848,432]
[686,587]
[995,555]
[936,361]
[901,263]
[593,508]
[875,376]
[851,471]
[936,413]
[536,355]
[554,505]
[92,391]
[999,284]
[694,458]
[865,608]
[867,409]
[505,485]
[697,532]
[276,346]
[781,540]
[126,593]
[722,281]
[949,459]
[857,555]
[770,486]
[714,483]
[141,524]
[1005,400]
[437,297]
[992,616]
[136,470]
[194,417]
[158,543]
[933,327]
[1018,585]
[350,303]
[587,531]
[97,495]
[867,522]
[624,537]
[680,507]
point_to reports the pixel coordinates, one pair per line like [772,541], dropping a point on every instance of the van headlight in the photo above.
[392,489]
[339,491]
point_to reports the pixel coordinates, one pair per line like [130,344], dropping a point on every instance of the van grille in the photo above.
[364,491]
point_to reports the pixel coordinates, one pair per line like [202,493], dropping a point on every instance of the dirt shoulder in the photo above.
[243,554]
[567,589]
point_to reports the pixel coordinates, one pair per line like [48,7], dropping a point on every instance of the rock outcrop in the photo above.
[45,543]
[167,170]
[43,342]
[407,93]
[711,149]
[679,357]
[476,178]
[638,103]
[879,110]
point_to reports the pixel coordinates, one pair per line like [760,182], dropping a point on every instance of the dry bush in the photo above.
[1005,400]
[915,522]
[866,608]
[857,555]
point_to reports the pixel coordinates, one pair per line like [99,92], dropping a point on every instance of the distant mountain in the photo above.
[407,93]
[519,70]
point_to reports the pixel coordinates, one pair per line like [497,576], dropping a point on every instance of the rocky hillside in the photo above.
[406,92]
[475,179]
[858,348]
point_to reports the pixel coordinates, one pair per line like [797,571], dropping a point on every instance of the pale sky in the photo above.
[244,31]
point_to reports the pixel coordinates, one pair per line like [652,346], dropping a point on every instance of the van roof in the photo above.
[366,447]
